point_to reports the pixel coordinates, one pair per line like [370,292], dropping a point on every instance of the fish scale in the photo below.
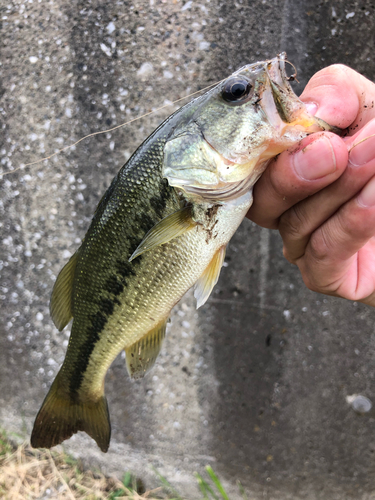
[162,227]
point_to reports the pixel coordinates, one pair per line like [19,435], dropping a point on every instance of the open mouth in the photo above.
[276,70]
[290,109]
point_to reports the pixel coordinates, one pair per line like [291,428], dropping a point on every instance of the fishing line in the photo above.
[291,78]
[108,130]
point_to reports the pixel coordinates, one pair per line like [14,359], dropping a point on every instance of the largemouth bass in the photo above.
[162,227]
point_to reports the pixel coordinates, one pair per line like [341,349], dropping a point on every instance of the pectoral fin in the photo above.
[61,299]
[166,230]
[141,356]
[208,279]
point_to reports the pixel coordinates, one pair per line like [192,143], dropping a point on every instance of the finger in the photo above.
[318,161]
[333,262]
[342,97]
[300,221]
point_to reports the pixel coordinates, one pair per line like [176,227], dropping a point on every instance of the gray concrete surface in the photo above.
[258,382]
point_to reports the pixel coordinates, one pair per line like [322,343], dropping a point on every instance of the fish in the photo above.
[161,228]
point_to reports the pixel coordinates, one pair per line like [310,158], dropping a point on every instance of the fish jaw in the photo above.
[289,108]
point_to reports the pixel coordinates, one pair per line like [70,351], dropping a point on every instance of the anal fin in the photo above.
[209,278]
[61,299]
[167,229]
[141,356]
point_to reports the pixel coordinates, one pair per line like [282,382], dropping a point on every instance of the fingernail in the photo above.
[366,197]
[311,107]
[315,160]
[363,152]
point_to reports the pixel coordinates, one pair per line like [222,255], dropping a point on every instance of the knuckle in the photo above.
[310,284]
[347,225]
[311,278]
[345,228]
[324,241]
[293,223]
[288,255]
[307,275]
[319,247]
[329,288]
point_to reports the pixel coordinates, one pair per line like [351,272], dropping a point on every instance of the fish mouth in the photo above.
[290,108]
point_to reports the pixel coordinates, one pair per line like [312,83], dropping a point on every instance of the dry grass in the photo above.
[26,474]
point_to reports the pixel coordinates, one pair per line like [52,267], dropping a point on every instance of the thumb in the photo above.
[341,96]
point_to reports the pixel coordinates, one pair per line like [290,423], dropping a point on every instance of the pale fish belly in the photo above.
[166,274]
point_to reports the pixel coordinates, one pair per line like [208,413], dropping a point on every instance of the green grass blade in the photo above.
[116,494]
[216,482]
[242,491]
[127,480]
[167,485]
[202,486]
[205,488]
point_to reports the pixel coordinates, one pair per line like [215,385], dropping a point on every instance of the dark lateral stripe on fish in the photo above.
[125,269]
[113,285]
[158,203]
[107,305]
[145,223]
[98,321]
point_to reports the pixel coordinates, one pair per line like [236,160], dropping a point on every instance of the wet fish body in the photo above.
[161,228]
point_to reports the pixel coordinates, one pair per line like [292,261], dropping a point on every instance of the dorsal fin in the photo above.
[206,282]
[170,227]
[141,356]
[61,298]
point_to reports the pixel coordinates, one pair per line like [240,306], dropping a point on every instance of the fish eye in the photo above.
[236,90]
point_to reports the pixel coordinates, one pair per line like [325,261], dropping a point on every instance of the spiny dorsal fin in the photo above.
[205,284]
[141,356]
[170,227]
[61,416]
[61,299]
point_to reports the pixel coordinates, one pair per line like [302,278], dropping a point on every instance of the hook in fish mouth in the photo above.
[289,107]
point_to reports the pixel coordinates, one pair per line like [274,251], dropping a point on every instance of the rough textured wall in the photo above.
[255,383]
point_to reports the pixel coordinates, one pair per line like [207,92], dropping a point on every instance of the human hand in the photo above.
[321,197]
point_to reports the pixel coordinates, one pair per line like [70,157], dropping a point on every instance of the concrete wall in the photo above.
[255,383]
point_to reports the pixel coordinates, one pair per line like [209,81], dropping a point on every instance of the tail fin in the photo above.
[60,417]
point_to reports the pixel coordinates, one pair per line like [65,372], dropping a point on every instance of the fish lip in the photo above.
[276,72]
[288,106]
[284,96]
